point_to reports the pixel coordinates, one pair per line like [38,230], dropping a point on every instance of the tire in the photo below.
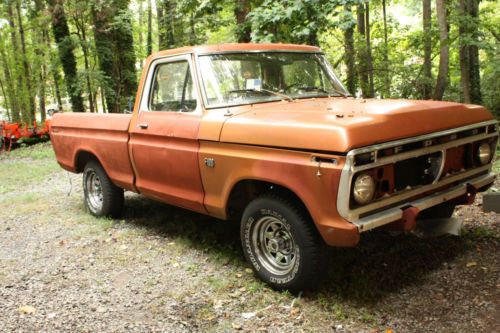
[441,211]
[101,196]
[281,244]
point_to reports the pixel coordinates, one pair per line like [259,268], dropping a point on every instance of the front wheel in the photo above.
[281,244]
[101,196]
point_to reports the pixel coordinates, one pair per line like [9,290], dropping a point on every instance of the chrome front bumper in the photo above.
[389,209]
[396,213]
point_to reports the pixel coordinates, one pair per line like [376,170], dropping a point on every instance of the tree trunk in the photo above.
[115,49]
[10,88]
[166,23]
[162,37]
[350,56]
[427,16]
[20,114]
[141,24]
[149,38]
[243,31]
[369,52]
[66,47]
[362,52]
[444,52]
[464,52]
[387,78]
[82,36]
[192,30]
[6,99]
[469,53]
[475,79]
[27,72]
[41,92]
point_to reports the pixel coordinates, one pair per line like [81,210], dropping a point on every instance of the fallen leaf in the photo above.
[471,264]
[27,309]
[294,311]
[236,326]
[248,315]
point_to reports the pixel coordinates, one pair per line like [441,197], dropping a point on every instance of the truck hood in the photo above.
[339,125]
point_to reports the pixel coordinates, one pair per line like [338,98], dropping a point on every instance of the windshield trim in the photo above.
[201,82]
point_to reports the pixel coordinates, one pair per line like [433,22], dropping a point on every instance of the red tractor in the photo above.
[12,134]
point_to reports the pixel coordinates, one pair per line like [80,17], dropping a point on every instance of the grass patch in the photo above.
[35,152]
[26,166]
[496,165]
[18,176]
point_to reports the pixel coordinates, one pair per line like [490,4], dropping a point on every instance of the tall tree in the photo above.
[10,83]
[26,67]
[80,18]
[149,38]
[349,53]
[386,74]
[365,64]
[243,29]
[369,58]
[444,51]
[17,76]
[115,50]
[469,52]
[166,21]
[427,38]
[66,47]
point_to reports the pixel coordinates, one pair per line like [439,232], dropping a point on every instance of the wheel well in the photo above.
[82,159]
[246,190]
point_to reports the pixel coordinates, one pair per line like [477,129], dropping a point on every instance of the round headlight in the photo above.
[484,153]
[364,189]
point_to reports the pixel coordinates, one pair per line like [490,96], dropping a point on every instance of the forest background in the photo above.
[87,55]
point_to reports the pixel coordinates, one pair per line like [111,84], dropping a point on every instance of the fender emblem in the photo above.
[209,162]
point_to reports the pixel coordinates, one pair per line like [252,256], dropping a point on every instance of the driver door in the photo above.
[164,139]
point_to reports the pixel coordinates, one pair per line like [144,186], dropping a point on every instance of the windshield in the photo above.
[247,78]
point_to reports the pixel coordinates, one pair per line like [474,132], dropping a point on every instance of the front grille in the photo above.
[401,168]
[412,172]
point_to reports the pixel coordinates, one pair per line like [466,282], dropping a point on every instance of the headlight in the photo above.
[484,153]
[364,189]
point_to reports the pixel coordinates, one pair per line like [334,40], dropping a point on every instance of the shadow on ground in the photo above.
[379,265]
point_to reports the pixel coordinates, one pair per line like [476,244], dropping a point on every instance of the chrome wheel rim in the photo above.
[274,245]
[94,191]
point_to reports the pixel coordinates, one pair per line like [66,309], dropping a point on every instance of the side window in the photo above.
[173,88]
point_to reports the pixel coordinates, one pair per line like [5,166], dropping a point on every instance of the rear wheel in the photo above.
[101,196]
[281,244]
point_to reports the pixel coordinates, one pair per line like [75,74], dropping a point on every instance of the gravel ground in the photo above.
[163,269]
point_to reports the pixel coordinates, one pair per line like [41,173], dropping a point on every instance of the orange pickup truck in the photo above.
[265,134]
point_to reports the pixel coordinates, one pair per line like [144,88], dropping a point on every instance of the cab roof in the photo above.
[237,47]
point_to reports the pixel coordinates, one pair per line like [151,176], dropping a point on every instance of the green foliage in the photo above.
[108,40]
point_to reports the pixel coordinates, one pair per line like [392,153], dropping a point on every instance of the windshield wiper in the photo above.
[264,90]
[313,88]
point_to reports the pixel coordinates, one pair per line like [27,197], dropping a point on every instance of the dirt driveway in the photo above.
[163,269]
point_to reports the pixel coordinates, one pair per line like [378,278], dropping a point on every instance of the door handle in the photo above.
[143,126]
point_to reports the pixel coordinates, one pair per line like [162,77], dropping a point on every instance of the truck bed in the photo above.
[76,135]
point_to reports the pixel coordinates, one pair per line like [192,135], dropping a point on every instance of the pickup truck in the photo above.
[267,135]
